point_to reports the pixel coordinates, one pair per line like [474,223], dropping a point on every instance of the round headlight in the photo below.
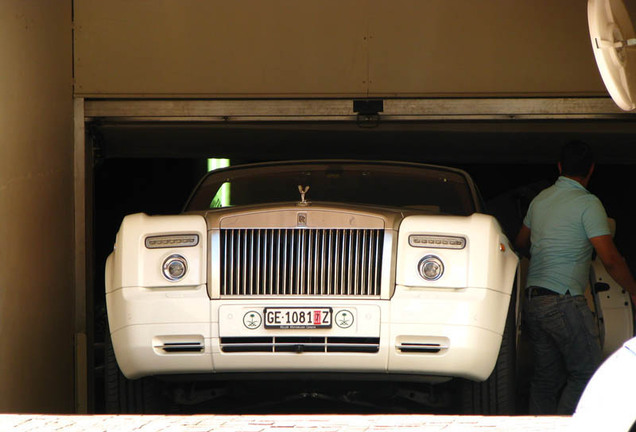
[175,267]
[431,268]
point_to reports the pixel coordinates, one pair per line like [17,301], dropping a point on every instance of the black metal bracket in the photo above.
[368,111]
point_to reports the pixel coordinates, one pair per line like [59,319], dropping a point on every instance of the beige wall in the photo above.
[291,48]
[36,206]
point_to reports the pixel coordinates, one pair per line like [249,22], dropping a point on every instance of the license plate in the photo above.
[297,318]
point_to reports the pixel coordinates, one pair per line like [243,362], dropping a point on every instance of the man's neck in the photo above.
[582,180]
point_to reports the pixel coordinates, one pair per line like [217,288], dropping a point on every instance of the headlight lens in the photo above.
[431,268]
[175,267]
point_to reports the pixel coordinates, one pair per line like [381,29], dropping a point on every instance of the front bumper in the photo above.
[427,332]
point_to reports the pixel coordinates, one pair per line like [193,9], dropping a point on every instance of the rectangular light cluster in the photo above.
[172,240]
[436,241]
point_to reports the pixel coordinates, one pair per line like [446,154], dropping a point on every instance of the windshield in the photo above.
[423,187]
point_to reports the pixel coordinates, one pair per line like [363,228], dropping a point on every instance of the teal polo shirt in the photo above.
[562,219]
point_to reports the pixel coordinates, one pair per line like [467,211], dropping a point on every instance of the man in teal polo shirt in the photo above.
[564,224]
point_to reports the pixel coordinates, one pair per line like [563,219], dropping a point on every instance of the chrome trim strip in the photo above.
[288,343]
[180,347]
[430,348]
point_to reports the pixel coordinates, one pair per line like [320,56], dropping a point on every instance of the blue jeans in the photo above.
[566,349]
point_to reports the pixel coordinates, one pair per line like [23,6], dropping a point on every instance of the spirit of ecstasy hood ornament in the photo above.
[303,191]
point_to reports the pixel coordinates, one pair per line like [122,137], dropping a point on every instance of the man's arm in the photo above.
[614,263]
[522,242]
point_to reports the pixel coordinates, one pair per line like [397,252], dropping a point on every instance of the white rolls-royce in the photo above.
[318,270]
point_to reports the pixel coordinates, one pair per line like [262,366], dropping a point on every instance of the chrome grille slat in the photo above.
[300,256]
[257,261]
[243,262]
[371,257]
[353,261]
[364,257]
[270,267]
[340,242]
[283,276]
[329,257]
[301,262]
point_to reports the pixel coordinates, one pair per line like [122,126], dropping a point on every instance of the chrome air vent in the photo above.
[180,347]
[421,348]
[169,345]
[301,262]
[296,344]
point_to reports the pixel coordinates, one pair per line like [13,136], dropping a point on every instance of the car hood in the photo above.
[311,215]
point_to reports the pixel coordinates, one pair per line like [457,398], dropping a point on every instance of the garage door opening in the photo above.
[152,166]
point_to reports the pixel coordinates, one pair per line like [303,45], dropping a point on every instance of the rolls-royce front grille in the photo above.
[301,262]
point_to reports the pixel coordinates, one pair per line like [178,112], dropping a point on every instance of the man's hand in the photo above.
[522,242]
[614,263]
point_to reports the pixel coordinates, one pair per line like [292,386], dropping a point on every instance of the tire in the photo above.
[124,396]
[497,395]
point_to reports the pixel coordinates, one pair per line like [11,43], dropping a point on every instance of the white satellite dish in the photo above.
[614,45]
[607,403]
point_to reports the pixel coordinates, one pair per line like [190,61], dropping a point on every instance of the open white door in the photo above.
[613,310]
[612,306]
[614,45]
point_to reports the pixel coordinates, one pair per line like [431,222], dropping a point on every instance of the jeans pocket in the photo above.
[587,316]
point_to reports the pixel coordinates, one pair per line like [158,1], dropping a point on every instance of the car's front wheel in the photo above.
[496,395]
[124,396]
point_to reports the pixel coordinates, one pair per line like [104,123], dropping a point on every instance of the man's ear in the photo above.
[589,174]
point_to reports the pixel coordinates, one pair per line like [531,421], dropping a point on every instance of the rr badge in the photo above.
[301,220]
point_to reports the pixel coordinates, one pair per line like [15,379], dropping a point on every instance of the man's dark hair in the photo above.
[576,159]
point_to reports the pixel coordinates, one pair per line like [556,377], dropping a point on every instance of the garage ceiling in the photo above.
[459,142]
